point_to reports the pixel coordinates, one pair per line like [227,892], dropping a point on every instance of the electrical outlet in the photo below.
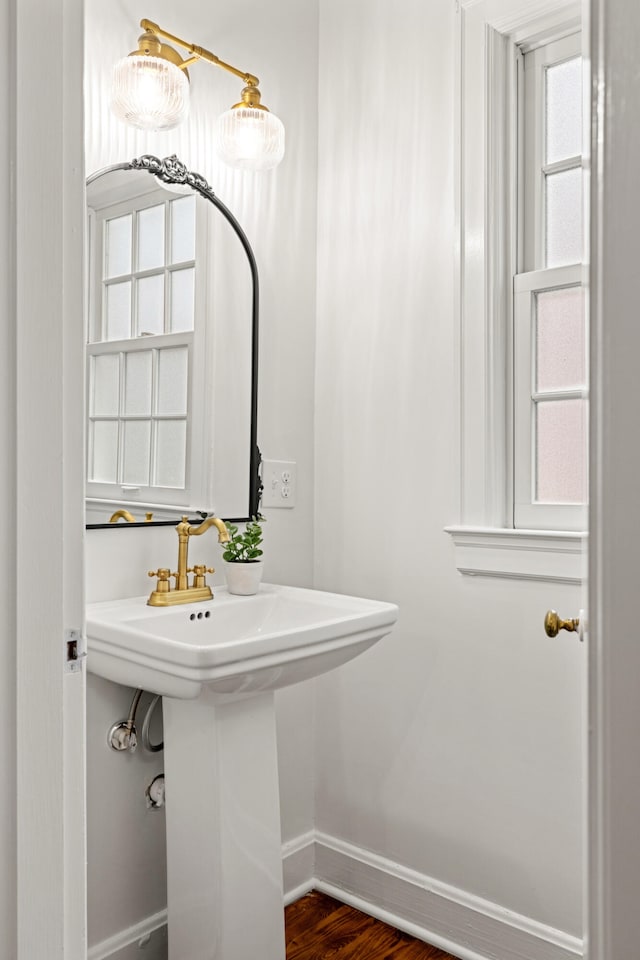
[279,483]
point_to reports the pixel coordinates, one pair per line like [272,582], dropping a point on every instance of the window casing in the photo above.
[493,34]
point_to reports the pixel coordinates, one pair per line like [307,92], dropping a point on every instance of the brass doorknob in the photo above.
[553,624]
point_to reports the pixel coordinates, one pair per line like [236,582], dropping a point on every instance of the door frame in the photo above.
[47,239]
[613,838]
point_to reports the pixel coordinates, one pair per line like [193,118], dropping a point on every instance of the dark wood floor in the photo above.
[319,927]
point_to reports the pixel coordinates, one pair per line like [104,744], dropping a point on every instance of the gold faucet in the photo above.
[122,514]
[163,595]
[129,517]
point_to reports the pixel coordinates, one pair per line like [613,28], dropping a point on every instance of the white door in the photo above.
[614,575]
[45,236]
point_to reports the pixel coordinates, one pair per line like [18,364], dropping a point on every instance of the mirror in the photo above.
[171,350]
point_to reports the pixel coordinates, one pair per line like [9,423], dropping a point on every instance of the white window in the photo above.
[144,352]
[522,338]
[549,335]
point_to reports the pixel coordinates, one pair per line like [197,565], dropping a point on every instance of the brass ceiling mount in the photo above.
[149,45]
[250,98]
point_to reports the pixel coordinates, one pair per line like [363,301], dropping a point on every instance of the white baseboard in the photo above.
[456,921]
[146,939]
[298,861]
[132,943]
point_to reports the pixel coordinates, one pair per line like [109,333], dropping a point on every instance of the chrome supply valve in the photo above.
[123,736]
[155,792]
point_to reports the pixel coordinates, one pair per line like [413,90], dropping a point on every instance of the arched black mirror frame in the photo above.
[173,171]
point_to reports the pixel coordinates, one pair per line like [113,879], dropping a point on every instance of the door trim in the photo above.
[613,838]
[48,246]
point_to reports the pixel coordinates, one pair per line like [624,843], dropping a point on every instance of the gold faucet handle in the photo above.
[163,574]
[199,572]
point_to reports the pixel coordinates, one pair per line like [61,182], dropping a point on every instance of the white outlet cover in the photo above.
[279,483]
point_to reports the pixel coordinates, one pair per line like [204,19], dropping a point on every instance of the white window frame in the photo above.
[490,34]
[534,277]
[528,512]
[162,501]
[542,55]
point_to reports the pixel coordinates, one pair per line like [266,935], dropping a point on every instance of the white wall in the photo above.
[454,747]
[278,212]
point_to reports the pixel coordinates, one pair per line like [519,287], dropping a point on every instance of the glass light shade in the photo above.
[250,139]
[149,92]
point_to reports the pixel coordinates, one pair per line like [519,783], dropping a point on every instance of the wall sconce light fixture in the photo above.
[151,91]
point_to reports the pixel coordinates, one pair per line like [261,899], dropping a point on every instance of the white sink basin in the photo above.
[232,644]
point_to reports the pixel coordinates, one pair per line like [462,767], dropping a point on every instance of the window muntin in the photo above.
[138,414]
[148,254]
[549,378]
[141,354]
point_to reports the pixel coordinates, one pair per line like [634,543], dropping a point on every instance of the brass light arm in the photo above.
[249,136]
[198,53]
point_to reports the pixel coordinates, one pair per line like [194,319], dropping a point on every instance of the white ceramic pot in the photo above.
[243,578]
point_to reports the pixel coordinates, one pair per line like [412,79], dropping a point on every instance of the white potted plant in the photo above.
[242,559]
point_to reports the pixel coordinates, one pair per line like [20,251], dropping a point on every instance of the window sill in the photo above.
[520,554]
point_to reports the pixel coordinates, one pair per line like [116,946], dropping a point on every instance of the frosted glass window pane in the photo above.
[105,385]
[138,379]
[172,381]
[564,110]
[560,451]
[564,217]
[150,292]
[171,453]
[137,445]
[118,246]
[183,229]
[182,299]
[151,238]
[118,310]
[560,339]
[105,452]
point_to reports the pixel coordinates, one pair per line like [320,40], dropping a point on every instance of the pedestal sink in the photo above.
[216,665]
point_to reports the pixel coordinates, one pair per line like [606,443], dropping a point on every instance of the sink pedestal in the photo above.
[224,852]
